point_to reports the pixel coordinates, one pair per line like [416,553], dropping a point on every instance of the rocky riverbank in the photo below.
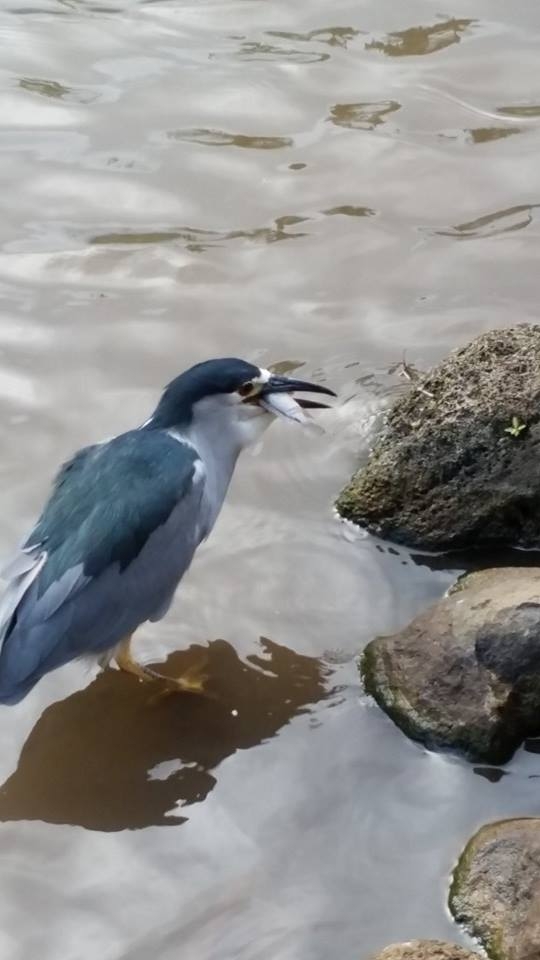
[456,464]
[465,674]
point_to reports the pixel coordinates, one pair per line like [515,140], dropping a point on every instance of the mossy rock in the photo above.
[465,674]
[457,461]
[495,890]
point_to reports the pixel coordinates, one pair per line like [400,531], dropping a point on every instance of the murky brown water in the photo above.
[155,158]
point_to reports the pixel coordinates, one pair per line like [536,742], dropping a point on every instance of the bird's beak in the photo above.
[276,397]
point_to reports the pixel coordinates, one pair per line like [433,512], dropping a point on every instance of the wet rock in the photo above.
[425,950]
[465,674]
[496,889]
[457,462]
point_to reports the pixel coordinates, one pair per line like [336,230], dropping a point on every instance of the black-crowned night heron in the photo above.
[124,520]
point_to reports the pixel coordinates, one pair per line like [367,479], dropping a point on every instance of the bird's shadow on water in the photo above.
[93,759]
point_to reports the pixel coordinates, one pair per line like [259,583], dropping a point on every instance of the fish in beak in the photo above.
[276,396]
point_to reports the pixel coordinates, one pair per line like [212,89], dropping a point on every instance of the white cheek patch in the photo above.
[263,377]
[283,405]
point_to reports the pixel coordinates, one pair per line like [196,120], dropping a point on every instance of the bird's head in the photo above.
[233,394]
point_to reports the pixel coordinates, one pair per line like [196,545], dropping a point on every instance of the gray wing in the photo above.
[117,563]
[20,573]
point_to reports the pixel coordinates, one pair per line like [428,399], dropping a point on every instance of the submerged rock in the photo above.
[466,673]
[496,889]
[457,463]
[425,950]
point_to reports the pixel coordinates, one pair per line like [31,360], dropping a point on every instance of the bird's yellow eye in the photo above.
[247,389]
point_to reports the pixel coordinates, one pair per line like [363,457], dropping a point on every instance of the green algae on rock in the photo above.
[465,674]
[457,462]
[495,890]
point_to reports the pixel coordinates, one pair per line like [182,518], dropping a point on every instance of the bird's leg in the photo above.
[125,661]
[191,681]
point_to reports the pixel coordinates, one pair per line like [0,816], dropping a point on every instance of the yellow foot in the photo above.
[191,681]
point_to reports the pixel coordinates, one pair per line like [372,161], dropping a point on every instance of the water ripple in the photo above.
[523,110]
[418,41]
[479,135]
[220,138]
[333,36]
[54,90]
[492,224]
[197,240]
[348,210]
[339,130]
[362,116]
[256,50]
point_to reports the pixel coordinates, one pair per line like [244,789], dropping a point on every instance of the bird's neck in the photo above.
[216,443]
[218,432]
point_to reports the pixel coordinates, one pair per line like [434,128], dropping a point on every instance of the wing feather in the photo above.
[21,562]
[22,571]
[116,535]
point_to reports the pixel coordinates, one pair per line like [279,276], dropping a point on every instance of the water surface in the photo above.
[331,186]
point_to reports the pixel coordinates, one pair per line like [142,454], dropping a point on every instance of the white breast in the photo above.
[220,428]
[218,451]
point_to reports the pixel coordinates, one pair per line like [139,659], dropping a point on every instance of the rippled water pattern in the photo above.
[155,157]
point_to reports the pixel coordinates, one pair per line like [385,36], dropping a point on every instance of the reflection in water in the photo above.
[325,841]
[467,561]
[286,366]
[30,11]
[362,116]
[348,210]
[526,110]
[219,138]
[333,36]
[253,50]
[502,221]
[59,91]
[47,88]
[119,756]
[487,134]
[417,41]
[491,774]
[479,135]
[197,240]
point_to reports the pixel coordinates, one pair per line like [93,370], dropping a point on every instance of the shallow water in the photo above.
[326,184]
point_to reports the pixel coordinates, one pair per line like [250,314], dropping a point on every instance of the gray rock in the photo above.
[496,889]
[465,674]
[425,950]
[446,472]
